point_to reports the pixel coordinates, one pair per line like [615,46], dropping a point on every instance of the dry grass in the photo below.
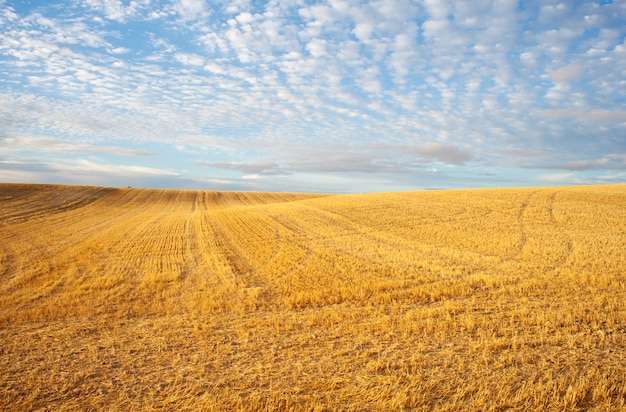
[129,299]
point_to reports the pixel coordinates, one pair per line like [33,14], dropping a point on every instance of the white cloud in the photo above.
[438,9]
[255,169]
[189,59]
[20,176]
[92,167]
[245,18]
[435,78]
[558,178]
[317,47]
[363,31]
[612,177]
[56,145]
[119,50]
[436,28]
[566,73]
[443,153]
[599,115]
[115,9]
[621,156]
[190,9]
[587,164]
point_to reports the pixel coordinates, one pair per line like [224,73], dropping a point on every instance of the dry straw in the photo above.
[130,299]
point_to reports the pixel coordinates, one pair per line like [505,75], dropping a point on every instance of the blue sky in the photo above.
[313,96]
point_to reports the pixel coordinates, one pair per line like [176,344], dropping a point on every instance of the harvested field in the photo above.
[145,299]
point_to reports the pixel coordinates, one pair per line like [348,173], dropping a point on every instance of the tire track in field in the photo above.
[191,263]
[158,239]
[398,238]
[38,252]
[301,233]
[57,224]
[36,256]
[522,224]
[526,223]
[396,243]
[203,271]
[59,255]
[522,227]
[243,230]
[51,201]
[34,262]
[569,245]
[224,236]
[221,237]
[250,275]
[209,264]
[212,254]
[7,264]
[328,244]
[356,228]
[239,265]
[50,257]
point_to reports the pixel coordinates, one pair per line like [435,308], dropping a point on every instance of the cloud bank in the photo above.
[334,95]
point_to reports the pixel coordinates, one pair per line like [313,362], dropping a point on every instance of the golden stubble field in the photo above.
[137,299]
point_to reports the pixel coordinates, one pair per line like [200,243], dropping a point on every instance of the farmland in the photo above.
[146,299]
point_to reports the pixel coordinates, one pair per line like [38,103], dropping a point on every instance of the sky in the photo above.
[332,96]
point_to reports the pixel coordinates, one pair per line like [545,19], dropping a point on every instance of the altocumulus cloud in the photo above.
[330,96]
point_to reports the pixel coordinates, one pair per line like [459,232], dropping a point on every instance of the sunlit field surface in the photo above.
[137,299]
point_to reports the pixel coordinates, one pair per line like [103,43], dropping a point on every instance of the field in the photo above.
[144,299]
